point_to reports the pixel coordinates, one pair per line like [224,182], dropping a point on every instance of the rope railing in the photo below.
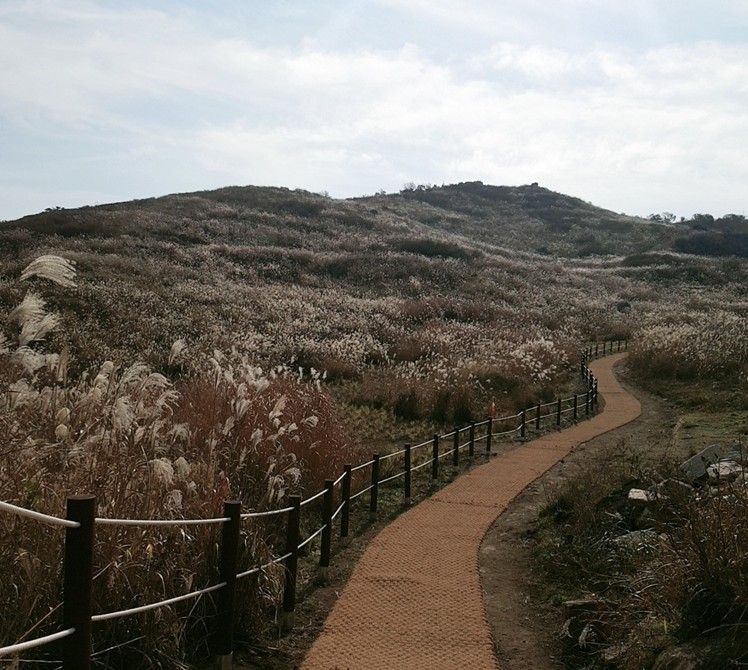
[392,454]
[270,512]
[391,477]
[317,495]
[338,510]
[508,432]
[361,492]
[259,568]
[38,516]
[362,466]
[158,522]
[80,521]
[312,536]
[161,603]
[422,465]
[421,444]
[14,649]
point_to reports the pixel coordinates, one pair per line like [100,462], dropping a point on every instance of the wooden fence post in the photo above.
[345,513]
[326,540]
[489,437]
[456,448]
[471,444]
[374,496]
[435,458]
[408,473]
[292,547]
[587,402]
[537,417]
[576,399]
[523,420]
[224,648]
[558,413]
[77,576]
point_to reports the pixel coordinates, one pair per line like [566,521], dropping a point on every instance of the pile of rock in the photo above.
[714,466]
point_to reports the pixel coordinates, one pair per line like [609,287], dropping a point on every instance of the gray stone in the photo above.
[579,613]
[724,471]
[695,467]
[677,658]
[642,497]
[637,540]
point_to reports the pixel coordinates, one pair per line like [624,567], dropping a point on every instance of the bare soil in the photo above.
[526,633]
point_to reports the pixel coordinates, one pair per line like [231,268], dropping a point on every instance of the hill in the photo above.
[229,263]
[416,282]
[530,218]
[248,342]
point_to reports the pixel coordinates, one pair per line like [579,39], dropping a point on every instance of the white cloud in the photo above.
[657,129]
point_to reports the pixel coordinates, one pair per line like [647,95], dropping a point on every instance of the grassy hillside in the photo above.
[456,275]
[247,342]
[530,218]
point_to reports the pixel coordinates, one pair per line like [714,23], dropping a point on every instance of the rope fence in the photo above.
[161,603]
[80,522]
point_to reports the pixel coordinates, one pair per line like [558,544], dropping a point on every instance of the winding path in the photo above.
[414,600]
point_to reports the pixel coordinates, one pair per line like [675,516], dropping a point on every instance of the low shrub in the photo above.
[708,345]
[430,247]
[687,573]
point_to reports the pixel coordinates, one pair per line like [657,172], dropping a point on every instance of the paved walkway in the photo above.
[414,600]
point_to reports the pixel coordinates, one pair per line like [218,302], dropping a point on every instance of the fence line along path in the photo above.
[414,600]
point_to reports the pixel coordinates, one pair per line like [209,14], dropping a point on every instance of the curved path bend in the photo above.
[414,600]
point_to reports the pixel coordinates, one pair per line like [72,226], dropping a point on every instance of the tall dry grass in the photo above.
[148,448]
[683,581]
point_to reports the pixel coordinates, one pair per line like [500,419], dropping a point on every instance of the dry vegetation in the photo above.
[249,341]
[670,581]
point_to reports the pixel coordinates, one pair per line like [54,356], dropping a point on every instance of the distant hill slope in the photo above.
[531,218]
[329,282]
[527,218]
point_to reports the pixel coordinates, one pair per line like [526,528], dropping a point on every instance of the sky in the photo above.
[638,106]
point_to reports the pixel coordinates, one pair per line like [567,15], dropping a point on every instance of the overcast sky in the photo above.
[638,105]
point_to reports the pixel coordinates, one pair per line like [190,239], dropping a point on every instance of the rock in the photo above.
[695,467]
[579,613]
[612,653]
[587,636]
[724,471]
[637,540]
[586,605]
[642,497]
[677,658]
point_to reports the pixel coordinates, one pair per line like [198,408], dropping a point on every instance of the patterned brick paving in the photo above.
[414,600]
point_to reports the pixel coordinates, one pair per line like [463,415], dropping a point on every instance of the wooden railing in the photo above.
[80,522]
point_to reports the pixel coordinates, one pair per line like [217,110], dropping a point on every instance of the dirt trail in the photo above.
[414,600]
[526,632]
